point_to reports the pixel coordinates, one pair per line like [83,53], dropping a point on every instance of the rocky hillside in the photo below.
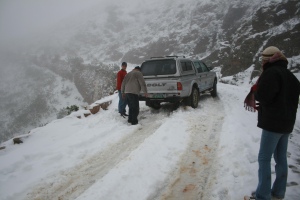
[224,33]
[227,34]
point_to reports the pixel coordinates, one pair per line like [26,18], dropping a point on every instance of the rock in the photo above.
[17,141]
[95,109]
[105,105]
[87,114]
[1,148]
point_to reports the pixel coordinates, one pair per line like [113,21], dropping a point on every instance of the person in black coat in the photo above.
[277,92]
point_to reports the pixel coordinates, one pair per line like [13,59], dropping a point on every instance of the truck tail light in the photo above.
[179,86]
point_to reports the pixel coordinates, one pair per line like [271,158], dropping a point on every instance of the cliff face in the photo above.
[273,25]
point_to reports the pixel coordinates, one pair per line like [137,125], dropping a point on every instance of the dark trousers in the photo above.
[134,107]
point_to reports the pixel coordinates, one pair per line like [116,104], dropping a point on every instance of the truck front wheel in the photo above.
[193,99]
[214,89]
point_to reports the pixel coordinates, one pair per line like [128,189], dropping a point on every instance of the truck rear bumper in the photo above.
[167,99]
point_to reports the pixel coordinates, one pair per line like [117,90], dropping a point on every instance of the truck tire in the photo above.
[193,99]
[213,93]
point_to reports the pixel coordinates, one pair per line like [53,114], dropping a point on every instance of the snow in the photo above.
[103,157]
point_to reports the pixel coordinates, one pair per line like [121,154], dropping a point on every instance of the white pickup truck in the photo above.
[176,79]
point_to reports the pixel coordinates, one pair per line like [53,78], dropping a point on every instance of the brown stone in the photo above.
[17,141]
[105,105]
[87,114]
[95,109]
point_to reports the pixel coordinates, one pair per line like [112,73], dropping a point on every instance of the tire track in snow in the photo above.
[196,174]
[70,183]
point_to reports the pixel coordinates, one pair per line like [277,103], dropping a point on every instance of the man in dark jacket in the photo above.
[277,91]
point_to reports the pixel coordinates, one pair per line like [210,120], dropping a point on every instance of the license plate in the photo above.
[158,96]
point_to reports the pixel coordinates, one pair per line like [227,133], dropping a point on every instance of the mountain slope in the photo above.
[227,34]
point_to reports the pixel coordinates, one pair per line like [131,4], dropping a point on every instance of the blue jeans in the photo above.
[272,143]
[122,104]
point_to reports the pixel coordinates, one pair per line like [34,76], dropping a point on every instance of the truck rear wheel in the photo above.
[153,104]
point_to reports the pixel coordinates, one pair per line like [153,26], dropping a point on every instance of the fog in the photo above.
[24,20]
[23,24]
[20,19]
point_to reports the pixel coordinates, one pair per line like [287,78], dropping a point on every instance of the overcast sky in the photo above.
[20,18]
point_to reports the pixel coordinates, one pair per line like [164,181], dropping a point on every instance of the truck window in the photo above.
[204,67]
[198,67]
[158,67]
[186,66]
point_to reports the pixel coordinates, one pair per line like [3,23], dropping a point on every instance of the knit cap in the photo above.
[269,52]
[272,54]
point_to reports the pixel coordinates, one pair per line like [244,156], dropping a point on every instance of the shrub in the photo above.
[72,109]
[66,111]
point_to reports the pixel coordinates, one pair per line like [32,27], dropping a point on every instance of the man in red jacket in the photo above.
[120,77]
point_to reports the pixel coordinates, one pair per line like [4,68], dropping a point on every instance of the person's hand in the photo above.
[249,102]
[146,95]
[123,95]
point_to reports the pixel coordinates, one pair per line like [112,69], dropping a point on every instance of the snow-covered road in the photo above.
[197,169]
[74,181]
[207,153]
